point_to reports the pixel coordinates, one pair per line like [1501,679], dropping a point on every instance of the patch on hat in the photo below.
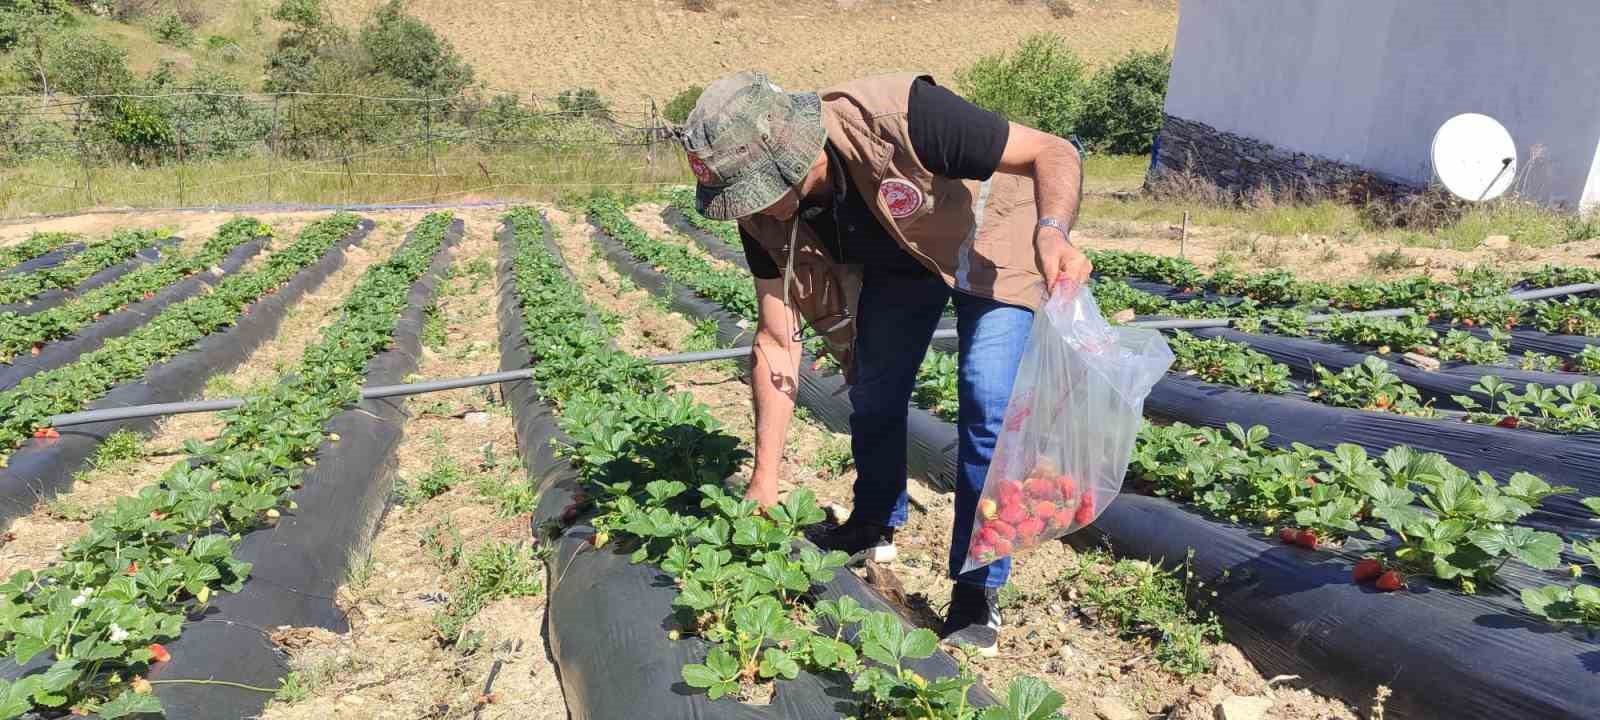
[701,172]
[902,197]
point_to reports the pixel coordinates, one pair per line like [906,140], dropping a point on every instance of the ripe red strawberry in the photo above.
[1063,518]
[46,434]
[1509,421]
[982,550]
[1002,547]
[1366,569]
[1287,534]
[1009,489]
[988,535]
[133,568]
[1013,513]
[1002,530]
[1068,486]
[36,350]
[1042,489]
[1391,581]
[158,653]
[1085,512]
[1044,509]
[1307,539]
[1029,530]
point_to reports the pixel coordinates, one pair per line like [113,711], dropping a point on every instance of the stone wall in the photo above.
[1240,165]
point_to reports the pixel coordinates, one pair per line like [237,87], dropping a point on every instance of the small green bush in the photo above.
[682,104]
[401,46]
[1123,109]
[22,18]
[1040,85]
[584,102]
[170,29]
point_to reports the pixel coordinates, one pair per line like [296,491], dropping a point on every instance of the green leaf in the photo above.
[723,662]
[775,662]
[16,697]
[1030,698]
[700,676]
[1541,550]
[919,643]
[129,703]
[1593,503]
[1539,600]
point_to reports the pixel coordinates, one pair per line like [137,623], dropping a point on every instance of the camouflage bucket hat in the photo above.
[749,142]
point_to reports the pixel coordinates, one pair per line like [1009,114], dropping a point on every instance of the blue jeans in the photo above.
[897,316]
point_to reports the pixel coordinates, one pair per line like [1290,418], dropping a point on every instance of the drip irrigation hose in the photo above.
[386,391]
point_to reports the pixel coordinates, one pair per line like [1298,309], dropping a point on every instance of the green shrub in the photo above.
[21,18]
[310,37]
[76,63]
[405,48]
[170,29]
[584,102]
[1041,85]
[682,104]
[1124,105]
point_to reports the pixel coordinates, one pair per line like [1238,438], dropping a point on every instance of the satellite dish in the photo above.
[1474,157]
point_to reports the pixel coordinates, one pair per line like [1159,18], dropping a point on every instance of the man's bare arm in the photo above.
[1057,173]
[775,377]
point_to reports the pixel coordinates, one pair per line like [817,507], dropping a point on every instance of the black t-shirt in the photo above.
[951,137]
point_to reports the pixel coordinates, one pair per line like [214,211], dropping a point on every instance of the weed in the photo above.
[433,329]
[1012,596]
[443,543]
[1388,261]
[1141,599]
[835,457]
[361,571]
[703,337]
[438,480]
[493,571]
[62,508]
[221,386]
[120,446]
[293,689]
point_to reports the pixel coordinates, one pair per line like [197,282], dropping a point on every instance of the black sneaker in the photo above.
[974,619]
[862,541]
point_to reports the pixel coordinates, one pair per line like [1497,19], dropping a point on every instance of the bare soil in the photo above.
[633,50]
[392,663]
[1318,257]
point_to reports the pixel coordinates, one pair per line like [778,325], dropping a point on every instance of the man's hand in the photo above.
[763,489]
[1059,261]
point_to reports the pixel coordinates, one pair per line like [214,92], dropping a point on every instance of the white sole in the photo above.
[879,554]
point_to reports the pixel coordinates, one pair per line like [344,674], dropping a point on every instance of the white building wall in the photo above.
[1367,82]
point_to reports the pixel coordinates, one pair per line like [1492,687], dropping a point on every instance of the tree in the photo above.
[405,48]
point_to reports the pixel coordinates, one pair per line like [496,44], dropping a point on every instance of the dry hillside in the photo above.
[634,49]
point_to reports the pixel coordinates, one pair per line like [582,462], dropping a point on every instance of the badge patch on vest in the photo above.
[701,172]
[902,197]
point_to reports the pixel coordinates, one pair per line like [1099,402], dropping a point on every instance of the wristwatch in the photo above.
[1051,222]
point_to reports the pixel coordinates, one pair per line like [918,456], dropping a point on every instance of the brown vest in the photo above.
[977,236]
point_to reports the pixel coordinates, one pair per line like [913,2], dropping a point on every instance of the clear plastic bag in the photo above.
[1074,413]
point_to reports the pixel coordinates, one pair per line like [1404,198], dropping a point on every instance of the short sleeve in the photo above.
[951,136]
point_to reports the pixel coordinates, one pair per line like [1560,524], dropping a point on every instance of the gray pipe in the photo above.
[385,391]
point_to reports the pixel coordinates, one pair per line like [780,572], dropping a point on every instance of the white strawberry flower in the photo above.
[118,634]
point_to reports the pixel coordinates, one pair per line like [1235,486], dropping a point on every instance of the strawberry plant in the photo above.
[1489,312]
[1563,408]
[725,231]
[1406,334]
[1462,346]
[157,557]
[1541,362]
[936,386]
[1571,316]
[122,245]
[1368,386]
[1122,265]
[19,333]
[1115,296]
[653,467]
[1578,604]
[678,262]
[25,407]
[1550,276]
[1588,360]
[37,244]
[1225,362]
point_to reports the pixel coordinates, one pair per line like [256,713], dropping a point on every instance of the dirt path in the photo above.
[396,661]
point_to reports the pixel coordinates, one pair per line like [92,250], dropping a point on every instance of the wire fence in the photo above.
[196,147]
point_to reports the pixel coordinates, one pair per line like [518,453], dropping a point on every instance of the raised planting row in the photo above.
[165,360]
[24,408]
[97,620]
[36,246]
[1267,596]
[645,471]
[121,246]
[28,333]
